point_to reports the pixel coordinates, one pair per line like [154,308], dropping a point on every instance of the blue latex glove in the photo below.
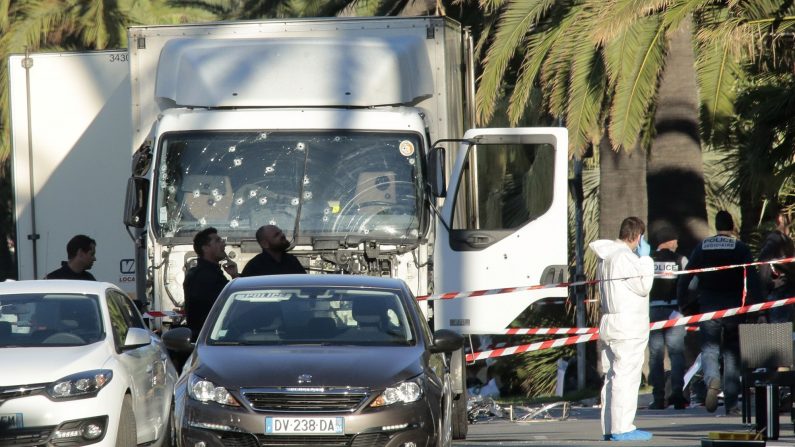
[644,249]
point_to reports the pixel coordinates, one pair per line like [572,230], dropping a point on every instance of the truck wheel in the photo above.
[460,421]
[127,435]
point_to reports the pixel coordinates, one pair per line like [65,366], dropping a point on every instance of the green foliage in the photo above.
[629,38]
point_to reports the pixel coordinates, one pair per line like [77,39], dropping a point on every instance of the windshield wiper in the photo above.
[297,225]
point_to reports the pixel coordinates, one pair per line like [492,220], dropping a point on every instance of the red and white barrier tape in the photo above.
[547,344]
[549,331]
[486,292]
[163,313]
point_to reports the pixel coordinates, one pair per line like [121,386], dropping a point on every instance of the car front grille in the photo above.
[296,440]
[303,401]
[229,439]
[370,440]
[25,437]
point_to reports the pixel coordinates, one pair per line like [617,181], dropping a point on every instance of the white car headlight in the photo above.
[404,392]
[206,391]
[80,385]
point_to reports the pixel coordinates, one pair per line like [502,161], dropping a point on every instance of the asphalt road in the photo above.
[670,428]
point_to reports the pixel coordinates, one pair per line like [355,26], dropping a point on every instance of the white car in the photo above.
[79,367]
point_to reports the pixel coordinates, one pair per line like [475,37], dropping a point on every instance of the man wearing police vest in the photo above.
[663,306]
[719,290]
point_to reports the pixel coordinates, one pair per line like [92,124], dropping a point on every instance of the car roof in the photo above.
[55,285]
[307,280]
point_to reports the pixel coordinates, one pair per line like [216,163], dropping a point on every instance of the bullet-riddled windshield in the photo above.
[365,184]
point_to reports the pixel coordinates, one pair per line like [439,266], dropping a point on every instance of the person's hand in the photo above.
[230,268]
[644,249]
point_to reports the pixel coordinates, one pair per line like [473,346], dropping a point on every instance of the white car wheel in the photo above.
[127,434]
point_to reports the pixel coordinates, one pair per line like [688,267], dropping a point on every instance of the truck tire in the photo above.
[127,435]
[460,420]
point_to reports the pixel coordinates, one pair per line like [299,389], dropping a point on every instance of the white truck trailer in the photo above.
[324,127]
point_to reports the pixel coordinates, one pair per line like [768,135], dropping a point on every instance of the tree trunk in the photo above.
[622,187]
[675,167]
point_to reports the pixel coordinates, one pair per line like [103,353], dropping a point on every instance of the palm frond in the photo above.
[717,73]
[102,24]
[636,81]
[5,14]
[586,96]
[614,17]
[514,23]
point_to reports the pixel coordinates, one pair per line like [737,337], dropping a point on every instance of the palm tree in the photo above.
[601,63]
[74,25]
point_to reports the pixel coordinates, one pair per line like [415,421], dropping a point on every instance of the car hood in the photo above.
[266,366]
[26,365]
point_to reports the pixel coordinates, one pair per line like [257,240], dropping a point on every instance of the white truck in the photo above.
[324,127]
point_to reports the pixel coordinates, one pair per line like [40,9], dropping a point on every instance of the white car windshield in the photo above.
[33,320]
[313,315]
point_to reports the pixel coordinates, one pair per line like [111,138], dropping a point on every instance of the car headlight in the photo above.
[206,391]
[81,385]
[404,392]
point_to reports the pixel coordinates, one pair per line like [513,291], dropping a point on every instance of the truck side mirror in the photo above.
[436,172]
[142,159]
[135,202]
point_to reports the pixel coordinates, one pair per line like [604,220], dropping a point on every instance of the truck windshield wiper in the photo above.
[301,183]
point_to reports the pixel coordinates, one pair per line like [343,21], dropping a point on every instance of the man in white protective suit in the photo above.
[626,273]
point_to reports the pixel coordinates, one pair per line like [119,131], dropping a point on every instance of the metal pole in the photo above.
[27,63]
[579,248]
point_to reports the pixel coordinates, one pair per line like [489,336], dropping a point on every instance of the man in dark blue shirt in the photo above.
[663,306]
[719,290]
[274,259]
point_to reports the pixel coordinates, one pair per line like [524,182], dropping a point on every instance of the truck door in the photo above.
[506,226]
[71,144]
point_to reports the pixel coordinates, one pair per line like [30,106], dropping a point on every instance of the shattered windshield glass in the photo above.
[341,184]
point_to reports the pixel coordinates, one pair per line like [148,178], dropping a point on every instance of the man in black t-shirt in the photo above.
[81,251]
[274,259]
[204,282]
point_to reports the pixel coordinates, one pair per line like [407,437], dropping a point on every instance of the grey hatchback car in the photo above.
[314,360]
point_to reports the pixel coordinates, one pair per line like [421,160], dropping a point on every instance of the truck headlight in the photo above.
[80,385]
[404,392]
[206,391]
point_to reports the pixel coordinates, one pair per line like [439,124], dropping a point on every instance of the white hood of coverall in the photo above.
[625,302]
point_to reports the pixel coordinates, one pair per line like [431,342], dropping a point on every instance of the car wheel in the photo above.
[127,435]
[170,433]
[445,435]
[460,422]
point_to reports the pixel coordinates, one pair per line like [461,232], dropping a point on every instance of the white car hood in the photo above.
[26,365]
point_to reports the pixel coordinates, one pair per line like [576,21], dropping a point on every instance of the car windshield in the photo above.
[335,184]
[313,315]
[49,320]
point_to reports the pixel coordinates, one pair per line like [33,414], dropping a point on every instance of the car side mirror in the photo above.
[135,202]
[445,340]
[178,339]
[136,337]
[436,172]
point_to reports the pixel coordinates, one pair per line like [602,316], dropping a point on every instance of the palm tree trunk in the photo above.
[675,168]
[622,187]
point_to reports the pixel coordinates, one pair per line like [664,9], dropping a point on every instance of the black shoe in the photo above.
[711,401]
[679,403]
[657,405]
